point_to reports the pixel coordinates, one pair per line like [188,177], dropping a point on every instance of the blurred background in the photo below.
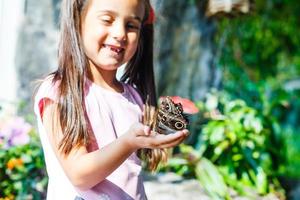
[238,61]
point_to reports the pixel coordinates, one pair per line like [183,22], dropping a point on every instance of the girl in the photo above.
[89,122]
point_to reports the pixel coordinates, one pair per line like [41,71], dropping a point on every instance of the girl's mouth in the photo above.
[115,49]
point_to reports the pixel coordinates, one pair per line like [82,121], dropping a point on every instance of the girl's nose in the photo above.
[119,32]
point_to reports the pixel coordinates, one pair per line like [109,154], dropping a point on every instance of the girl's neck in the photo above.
[106,79]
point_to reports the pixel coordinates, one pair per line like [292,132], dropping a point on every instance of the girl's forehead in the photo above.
[136,7]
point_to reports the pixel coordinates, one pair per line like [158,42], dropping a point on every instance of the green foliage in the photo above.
[264,44]
[208,175]
[22,168]
[234,150]
[253,139]
[261,62]
[190,164]
[291,149]
[236,140]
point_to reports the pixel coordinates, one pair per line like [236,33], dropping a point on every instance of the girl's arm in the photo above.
[86,169]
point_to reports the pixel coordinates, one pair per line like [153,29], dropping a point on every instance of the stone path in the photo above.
[172,187]
[186,190]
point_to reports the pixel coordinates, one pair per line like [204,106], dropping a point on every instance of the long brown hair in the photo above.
[139,73]
[73,66]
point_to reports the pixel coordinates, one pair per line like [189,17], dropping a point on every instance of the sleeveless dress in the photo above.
[110,115]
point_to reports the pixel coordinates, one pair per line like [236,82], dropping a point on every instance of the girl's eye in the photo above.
[106,20]
[133,26]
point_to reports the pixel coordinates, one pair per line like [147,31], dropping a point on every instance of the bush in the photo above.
[233,150]
[22,169]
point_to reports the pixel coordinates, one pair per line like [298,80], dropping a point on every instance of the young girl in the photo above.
[89,122]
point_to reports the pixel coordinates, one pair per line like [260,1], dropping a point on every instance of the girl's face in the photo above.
[110,31]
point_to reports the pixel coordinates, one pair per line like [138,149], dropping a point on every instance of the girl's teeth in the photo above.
[117,50]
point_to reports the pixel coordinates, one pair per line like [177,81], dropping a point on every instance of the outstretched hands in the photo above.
[140,136]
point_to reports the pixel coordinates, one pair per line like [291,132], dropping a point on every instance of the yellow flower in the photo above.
[14,162]
[10,197]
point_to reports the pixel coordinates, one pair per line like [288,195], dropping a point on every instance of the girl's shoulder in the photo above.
[47,88]
[46,92]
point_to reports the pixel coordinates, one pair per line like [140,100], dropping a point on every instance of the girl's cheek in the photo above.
[134,38]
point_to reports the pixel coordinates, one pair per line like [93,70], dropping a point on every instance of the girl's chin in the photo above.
[110,66]
[111,61]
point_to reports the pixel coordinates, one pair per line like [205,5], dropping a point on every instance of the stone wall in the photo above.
[36,53]
[11,18]
[28,48]
[184,49]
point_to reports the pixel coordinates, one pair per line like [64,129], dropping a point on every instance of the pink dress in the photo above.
[110,115]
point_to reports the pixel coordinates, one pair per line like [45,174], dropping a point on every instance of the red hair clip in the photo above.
[151,16]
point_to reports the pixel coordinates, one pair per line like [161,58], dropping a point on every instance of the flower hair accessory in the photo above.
[151,17]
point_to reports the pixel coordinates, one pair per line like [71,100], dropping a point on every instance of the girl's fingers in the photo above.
[173,144]
[147,130]
[162,141]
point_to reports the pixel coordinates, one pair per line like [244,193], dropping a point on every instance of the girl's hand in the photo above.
[140,136]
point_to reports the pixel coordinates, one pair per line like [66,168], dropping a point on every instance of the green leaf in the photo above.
[177,162]
[261,181]
[217,135]
[211,179]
